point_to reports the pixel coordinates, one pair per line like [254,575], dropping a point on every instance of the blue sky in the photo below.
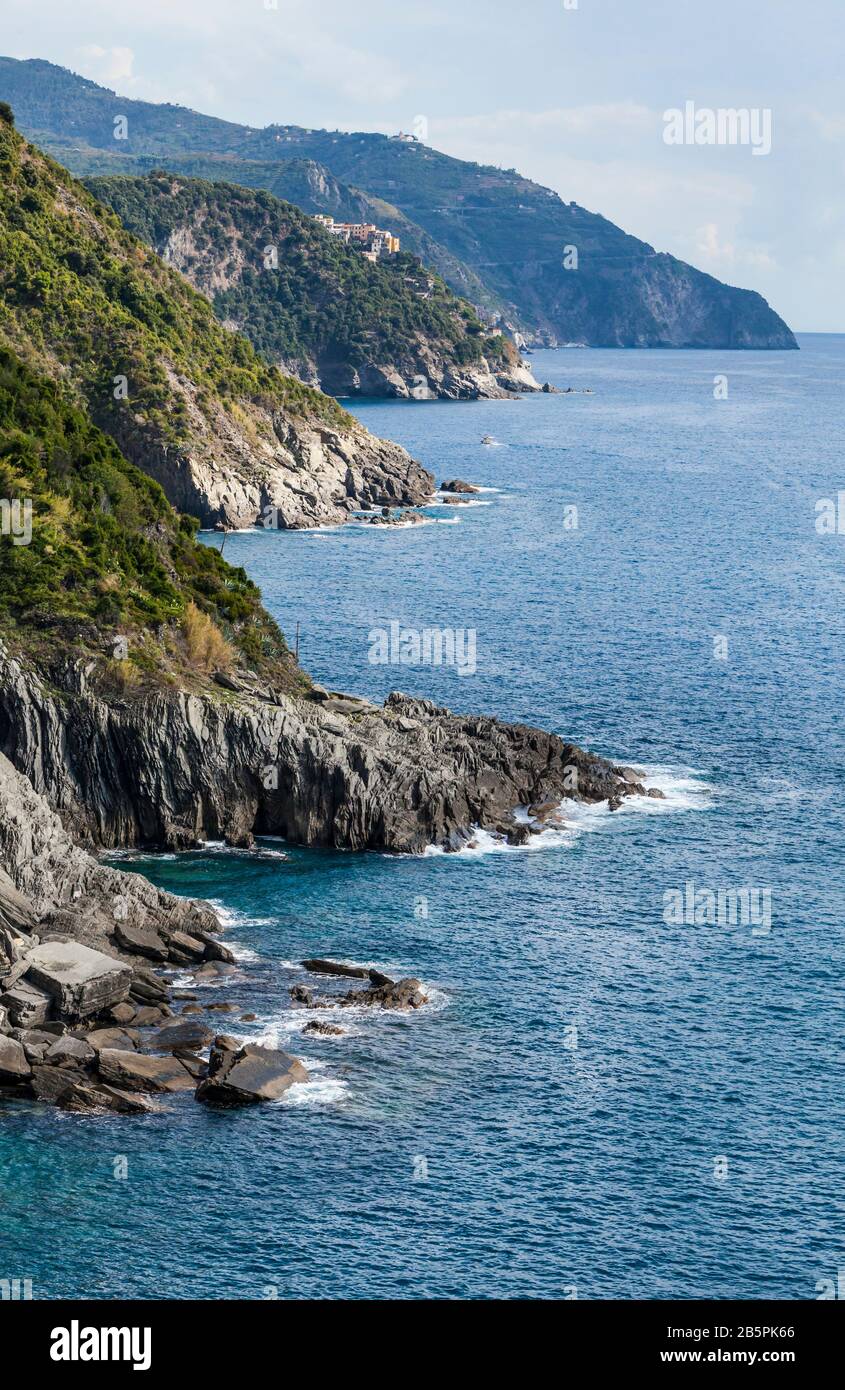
[572,97]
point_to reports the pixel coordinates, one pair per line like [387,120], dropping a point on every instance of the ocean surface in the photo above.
[605,1098]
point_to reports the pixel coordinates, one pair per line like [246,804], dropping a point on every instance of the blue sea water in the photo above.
[596,1100]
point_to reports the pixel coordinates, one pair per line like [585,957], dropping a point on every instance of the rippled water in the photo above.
[596,1099]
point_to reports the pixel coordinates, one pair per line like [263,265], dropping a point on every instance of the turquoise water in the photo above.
[597,1099]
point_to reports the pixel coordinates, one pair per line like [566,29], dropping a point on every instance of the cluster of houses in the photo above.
[372,241]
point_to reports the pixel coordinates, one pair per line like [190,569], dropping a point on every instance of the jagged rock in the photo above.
[404,994]
[399,778]
[377,979]
[26,1004]
[458,485]
[14,1067]
[329,1029]
[333,967]
[301,994]
[140,941]
[190,1034]
[135,1071]
[248,1075]
[81,981]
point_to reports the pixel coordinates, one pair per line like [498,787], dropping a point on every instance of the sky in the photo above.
[572,93]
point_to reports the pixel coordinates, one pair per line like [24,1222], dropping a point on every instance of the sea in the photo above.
[627,1083]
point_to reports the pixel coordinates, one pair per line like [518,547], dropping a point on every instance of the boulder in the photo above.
[80,981]
[147,988]
[333,967]
[248,1075]
[135,1071]
[27,1005]
[148,1016]
[191,1034]
[14,1067]
[140,941]
[87,1095]
[301,994]
[186,947]
[329,1029]
[458,485]
[122,1013]
[50,1083]
[70,1052]
[115,1039]
[403,994]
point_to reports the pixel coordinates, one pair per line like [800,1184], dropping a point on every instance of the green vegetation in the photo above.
[324,301]
[108,556]
[82,297]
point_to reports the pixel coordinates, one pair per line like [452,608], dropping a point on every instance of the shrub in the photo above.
[206,647]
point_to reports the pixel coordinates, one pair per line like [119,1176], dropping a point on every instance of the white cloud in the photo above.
[106,65]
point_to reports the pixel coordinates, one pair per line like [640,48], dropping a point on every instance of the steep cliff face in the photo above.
[495,236]
[229,438]
[48,883]
[173,769]
[312,305]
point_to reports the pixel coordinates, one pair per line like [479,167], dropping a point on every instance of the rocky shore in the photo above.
[86,1006]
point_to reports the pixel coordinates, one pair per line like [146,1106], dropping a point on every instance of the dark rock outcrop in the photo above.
[246,1075]
[172,770]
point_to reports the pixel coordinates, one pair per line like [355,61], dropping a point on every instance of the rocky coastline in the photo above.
[87,952]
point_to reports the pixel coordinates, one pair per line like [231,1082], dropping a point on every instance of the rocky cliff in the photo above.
[172,769]
[312,305]
[230,439]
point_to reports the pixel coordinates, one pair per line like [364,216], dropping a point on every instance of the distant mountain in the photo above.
[320,310]
[229,438]
[493,235]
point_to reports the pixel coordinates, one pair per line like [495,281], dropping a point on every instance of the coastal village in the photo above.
[372,241]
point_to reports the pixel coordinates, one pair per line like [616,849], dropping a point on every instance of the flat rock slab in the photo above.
[141,941]
[249,1075]
[333,967]
[136,1071]
[80,981]
[27,1005]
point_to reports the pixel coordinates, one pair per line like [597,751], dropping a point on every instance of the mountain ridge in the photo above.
[508,232]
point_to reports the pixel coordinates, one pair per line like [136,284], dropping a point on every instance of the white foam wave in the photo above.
[682,791]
